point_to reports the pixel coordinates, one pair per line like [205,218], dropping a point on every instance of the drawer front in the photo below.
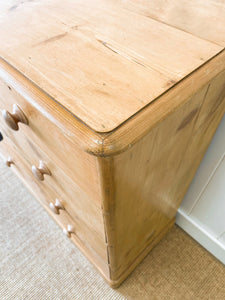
[77,201]
[49,135]
[84,236]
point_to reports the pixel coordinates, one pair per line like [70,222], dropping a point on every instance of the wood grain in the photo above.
[77,201]
[54,116]
[85,237]
[47,131]
[144,186]
[189,16]
[121,100]
[102,62]
[139,125]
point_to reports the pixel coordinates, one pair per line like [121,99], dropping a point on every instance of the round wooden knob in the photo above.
[55,207]
[40,171]
[9,162]
[12,119]
[69,230]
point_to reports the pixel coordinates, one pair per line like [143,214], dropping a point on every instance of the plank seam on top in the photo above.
[79,109]
[175,27]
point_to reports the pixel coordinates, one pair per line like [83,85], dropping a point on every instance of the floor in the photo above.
[37,261]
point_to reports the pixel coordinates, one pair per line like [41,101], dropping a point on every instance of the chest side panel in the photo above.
[150,179]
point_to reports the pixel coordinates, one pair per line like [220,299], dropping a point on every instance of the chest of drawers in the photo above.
[107,110]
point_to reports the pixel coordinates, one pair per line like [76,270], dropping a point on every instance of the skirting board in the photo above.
[209,242]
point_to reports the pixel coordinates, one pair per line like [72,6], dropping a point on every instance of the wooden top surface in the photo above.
[105,60]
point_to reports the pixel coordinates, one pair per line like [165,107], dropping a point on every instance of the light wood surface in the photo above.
[50,131]
[99,60]
[12,119]
[40,171]
[77,201]
[189,16]
[137,127]
[86,237]
[147,182]
[75,134]
[119,108]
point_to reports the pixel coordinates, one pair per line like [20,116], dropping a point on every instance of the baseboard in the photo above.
[203,237]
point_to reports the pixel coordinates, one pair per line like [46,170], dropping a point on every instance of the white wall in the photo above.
[202,212]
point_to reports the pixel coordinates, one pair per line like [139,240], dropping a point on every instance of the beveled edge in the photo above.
[129,132]
[126,135]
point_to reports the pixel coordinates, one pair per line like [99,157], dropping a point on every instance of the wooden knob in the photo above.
[40,171]
[9,162]
[69,230]
[12,119]
[55,207]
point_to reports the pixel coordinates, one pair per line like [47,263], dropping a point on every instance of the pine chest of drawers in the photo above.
[107,108]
